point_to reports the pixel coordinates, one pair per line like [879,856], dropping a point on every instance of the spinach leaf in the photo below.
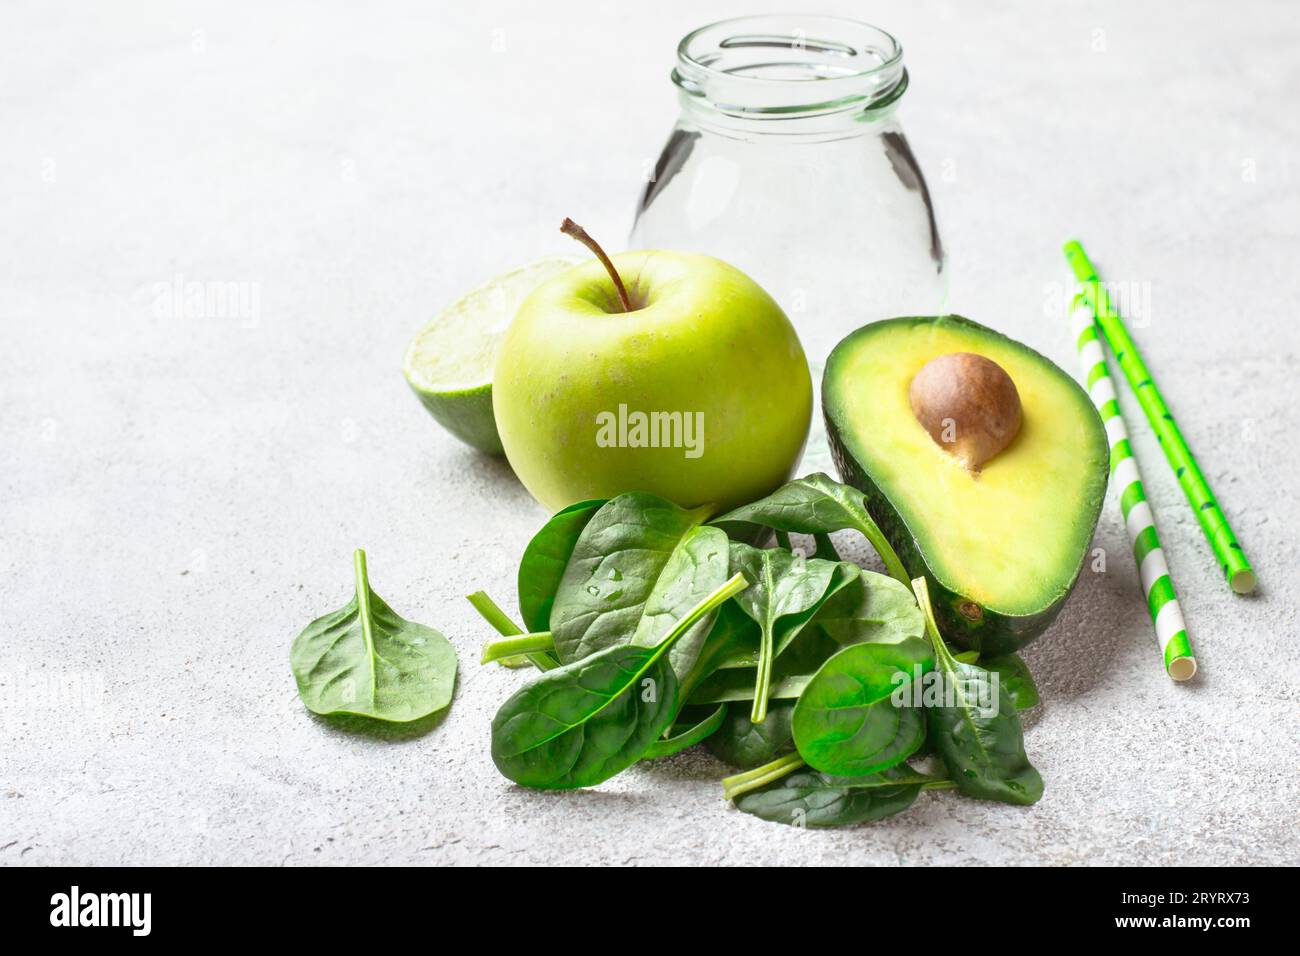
[1013,674]
[817,800]
[871,608]
[787,591]
[616,563]
[580,724]
[364,659]
[693,735]
[847,722]
[982,746]
[697,566]
[811,799]
[743,743]
[542,566]
[815,504]
[733,685]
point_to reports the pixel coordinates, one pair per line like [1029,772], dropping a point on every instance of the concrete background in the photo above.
[180,495]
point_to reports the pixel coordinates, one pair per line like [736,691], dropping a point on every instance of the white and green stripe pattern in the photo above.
[1171,633]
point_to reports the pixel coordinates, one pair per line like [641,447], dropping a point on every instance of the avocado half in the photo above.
[1001,548]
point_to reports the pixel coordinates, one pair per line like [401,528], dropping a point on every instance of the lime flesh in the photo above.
[449,362]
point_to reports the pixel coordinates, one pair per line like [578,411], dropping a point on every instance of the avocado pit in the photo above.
[968,405]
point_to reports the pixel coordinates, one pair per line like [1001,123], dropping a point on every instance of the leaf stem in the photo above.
[872,531]
[825,547]
[363,613]
[492,613]
[921,588]
[572,229]
[742,783]
[526,644]
[762,676]
[766,651]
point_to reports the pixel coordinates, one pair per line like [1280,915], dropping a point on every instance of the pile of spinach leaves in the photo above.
[657,628]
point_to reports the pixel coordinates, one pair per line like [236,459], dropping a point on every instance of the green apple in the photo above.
[698,390]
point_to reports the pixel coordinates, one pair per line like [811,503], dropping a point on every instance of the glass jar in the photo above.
[788,162]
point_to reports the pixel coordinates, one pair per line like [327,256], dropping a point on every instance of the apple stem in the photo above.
[571,228]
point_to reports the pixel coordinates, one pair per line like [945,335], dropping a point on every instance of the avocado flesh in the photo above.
[1001,548]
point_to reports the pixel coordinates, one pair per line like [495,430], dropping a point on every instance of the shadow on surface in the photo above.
[694,764]
[588,796]
[1093,632]
[495,465]
[382,730]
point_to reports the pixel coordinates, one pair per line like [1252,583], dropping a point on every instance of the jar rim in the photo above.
[784,64]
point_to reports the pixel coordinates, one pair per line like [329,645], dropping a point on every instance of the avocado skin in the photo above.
[993,634]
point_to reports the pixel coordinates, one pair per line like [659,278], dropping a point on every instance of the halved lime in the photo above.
[449,362]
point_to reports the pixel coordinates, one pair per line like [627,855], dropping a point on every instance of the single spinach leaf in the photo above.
[871,608]
[580,724]
[743,743]
[815,504]
[697,733]
[811,799]
[542,566]
[616,563]
[367,660]
[978,734]
[697,567]
[1013,674]
[847,721]
[787,591]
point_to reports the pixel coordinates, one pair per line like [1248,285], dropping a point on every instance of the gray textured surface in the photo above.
[179,496]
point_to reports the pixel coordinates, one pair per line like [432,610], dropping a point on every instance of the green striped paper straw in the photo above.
[1237,570]
[1157,585]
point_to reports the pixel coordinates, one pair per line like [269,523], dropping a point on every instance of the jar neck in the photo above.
[789,76]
